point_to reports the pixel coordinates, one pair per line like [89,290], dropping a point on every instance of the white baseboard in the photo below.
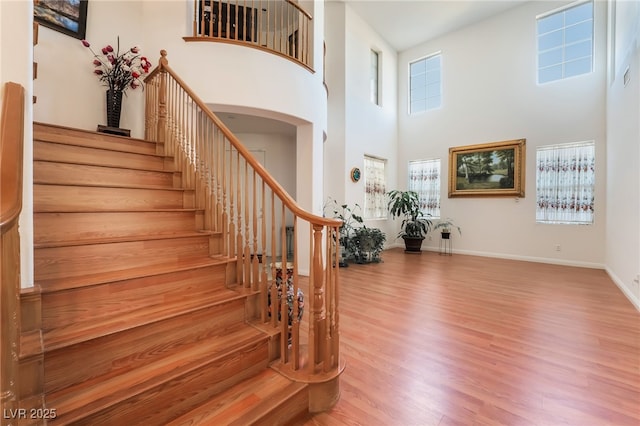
[625,290]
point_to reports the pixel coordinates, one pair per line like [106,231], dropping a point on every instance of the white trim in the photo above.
[625,290]
[562,8]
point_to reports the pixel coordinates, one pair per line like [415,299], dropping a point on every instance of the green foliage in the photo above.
[446,225]
[360,243]
[405,204]
[368,244]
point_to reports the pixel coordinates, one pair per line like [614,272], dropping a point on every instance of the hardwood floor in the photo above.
[464,340]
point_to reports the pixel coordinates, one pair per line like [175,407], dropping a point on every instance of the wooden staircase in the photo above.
[141,318]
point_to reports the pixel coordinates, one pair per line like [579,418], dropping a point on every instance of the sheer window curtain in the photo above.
[375,188]
[424,178]
[565,177]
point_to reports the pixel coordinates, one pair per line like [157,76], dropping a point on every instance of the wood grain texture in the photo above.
[464,340]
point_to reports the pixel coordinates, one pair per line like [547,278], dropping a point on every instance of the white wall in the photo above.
[69,94]
[490,94]
[16,59]
[363,128]
[623,150]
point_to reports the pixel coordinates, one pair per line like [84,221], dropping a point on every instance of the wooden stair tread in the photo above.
[57,284]
[160,236]
[113,185]
[48,133]
[101,392]
[64,336]
[245,403]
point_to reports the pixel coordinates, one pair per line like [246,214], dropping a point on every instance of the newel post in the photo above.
[162,99]
[318,323]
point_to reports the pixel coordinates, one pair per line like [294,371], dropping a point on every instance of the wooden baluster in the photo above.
[295,327]
[247,222]
[284,308]
[263,278]
[239,245]
[317,310]
[231,218]
[274,303]
[255,273]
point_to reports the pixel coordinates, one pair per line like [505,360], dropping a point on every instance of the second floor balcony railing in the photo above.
[279,26]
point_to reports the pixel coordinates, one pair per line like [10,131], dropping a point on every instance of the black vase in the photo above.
[114,106]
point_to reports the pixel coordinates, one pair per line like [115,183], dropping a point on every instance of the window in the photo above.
[425,84]
[375,188]
[565,183]
[424,178]
[375,77]
[565,43]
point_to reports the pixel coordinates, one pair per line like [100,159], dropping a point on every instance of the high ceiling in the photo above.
[404,24]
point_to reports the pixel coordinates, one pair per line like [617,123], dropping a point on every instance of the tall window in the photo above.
[375,77]
[565,43]
[425,84]
[424,178]
[565,176]
[375,188]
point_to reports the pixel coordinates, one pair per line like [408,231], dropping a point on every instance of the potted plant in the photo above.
[350,222]
[368,244]
[415,224]
[445,226]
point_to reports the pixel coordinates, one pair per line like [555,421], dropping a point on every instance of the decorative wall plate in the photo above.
[355,174]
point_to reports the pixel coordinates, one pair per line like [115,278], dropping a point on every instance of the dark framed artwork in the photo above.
[66,16]
[491,169]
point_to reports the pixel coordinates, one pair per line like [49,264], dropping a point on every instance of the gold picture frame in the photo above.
[491,169]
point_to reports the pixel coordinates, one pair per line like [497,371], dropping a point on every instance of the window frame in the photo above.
[374,77]
[570,145]
[439,186]
[426,81]
[382,200]
[563,46]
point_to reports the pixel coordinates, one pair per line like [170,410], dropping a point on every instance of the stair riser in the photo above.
[79,174]
[60,227]
[185,393]
[92,139]
[95,303]
[45,151]
[71,261]
[133,348]
[54,198]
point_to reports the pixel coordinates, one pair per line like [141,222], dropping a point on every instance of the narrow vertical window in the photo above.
[424,179]
[565,42]
[375,183]
[565,183]
[375,77]
[425,84]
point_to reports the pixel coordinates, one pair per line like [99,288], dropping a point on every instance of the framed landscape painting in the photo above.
[491,169]
[66,16]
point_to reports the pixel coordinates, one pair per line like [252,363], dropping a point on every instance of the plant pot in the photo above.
[445,235]
[412,244]
[114,107]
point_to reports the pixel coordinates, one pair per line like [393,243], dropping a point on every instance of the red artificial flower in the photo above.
[109,48]
[135,74]
[85,43]
[98,72]
[134,84]
[97,63]
[135,49]
[111,58]
[104,51]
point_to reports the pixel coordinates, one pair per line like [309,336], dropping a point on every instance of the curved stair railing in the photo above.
[281,27]
[263,232]
[11,152]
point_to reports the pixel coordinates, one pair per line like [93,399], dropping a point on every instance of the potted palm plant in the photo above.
[415,224]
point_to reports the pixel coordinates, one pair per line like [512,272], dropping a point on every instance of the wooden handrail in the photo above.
[11,153]
[281,192]
[256,219]
[11,145]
